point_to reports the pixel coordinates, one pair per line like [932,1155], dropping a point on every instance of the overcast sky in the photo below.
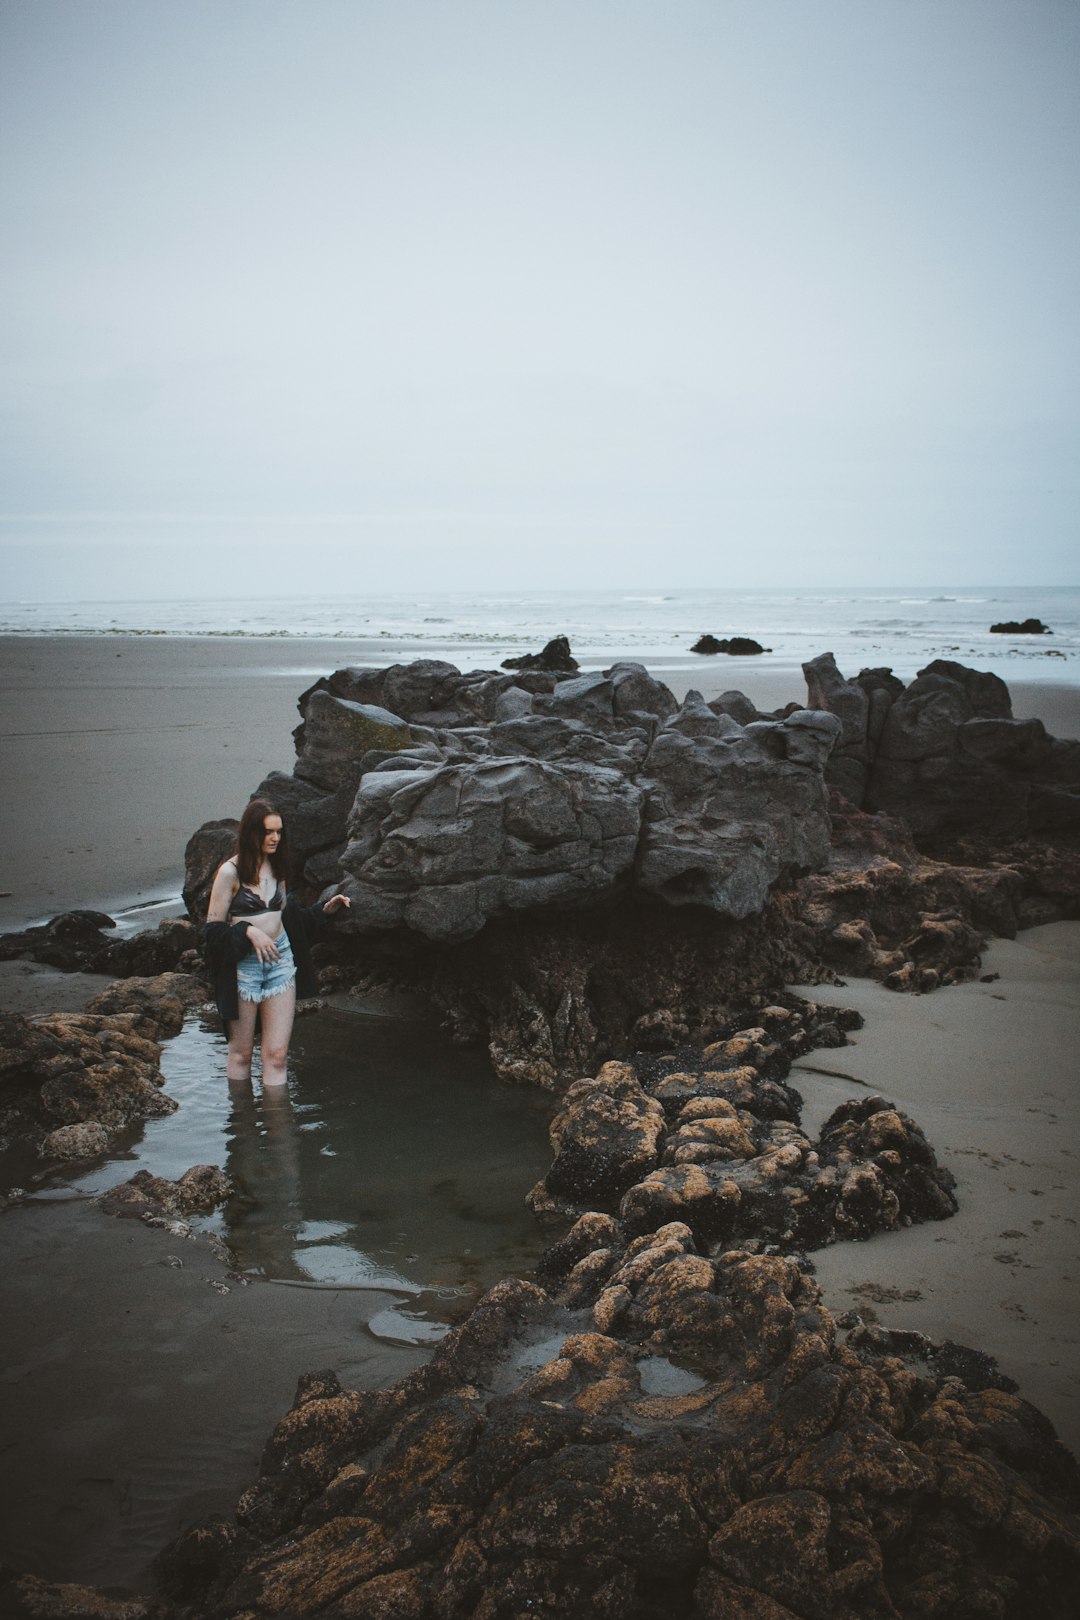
[524,291]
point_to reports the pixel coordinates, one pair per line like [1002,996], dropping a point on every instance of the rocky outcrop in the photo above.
[77,941]
[63,1070]
[730,809]
[945,754]
[712,1139]
[198,1191]
[582,799]
[160,1002]
[556,656]
[734,646]
[1025,627]
[450,800]
[576,867]
[701,1441]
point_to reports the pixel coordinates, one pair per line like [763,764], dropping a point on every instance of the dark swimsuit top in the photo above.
[246,903]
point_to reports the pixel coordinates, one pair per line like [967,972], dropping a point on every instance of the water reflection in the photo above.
[261,1157]
[389,1159]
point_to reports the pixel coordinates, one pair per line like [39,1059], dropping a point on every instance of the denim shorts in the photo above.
[258,981]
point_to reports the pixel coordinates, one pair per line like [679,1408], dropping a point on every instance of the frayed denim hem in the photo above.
[268,995]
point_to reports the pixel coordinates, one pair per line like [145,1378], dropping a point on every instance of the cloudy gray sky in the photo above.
[491,291]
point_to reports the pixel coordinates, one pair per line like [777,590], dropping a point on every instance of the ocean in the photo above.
[901,628]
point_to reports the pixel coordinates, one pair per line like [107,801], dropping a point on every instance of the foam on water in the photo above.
[901,628]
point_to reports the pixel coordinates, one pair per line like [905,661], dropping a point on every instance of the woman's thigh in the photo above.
[276,1020]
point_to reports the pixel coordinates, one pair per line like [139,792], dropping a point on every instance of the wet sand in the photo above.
[116,748]
[990,1073]
[139,1384]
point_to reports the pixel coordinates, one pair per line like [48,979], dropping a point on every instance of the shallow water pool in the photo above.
[390,1160]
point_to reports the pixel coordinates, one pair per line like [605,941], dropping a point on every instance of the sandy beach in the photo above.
[136,1394]
[989,1071]
[117,747]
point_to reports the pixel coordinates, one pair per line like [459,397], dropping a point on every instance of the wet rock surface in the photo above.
[945,754]
[197,1192]
[63,1073]
[78,941]
[700,1441]
[712,1139]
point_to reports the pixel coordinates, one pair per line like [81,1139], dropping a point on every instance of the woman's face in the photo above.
[271,834]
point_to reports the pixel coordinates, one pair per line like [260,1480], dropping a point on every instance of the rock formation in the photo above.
[449,800]
[712,1139]
[945,754]
[1014,627]
[150,1198]
[676,1435]
[734,646]
[77,941]
[71,1081]
[555,656]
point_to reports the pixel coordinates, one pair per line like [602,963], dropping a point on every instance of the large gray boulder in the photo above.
[441,849]
[335,735]
[731,809]
[446,800]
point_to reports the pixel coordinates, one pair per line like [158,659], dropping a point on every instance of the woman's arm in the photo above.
[226,883]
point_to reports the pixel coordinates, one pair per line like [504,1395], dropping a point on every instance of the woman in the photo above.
[258,944]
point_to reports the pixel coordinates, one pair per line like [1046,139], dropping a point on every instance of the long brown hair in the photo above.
[249,843]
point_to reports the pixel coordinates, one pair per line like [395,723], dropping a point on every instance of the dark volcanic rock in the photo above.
[1013,627]
[735,646]
[555,656]
[946,755]
[702,1443]
[197,1192]
[733,809]
[69,941]
[64,1069]
[450,800]
[715,1143]
[213,843]
[441,849]
[77,941]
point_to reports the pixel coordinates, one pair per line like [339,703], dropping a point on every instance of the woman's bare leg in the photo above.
[274,1033]
[241,1036]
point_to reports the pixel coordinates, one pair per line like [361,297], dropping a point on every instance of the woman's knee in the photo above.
[241,1050]
[275,1053]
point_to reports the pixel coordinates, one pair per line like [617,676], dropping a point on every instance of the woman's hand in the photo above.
[336,901]
[263,946]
